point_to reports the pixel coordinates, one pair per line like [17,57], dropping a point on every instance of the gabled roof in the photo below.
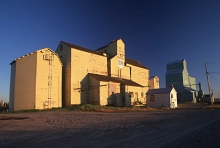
[115,79]
[187,89]
[36,52]
[127,60]
[160,91]
[82,48]
[135,63]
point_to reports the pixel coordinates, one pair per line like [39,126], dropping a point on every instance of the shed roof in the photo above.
[207,95]
[115,79]
[135,63]
[101,47]
[36,52]
[151,77]
[191,77]
[82,48]
[108,43]
[115,41]
[187,89]
[160,91]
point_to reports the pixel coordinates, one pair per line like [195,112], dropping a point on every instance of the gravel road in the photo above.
[187,127]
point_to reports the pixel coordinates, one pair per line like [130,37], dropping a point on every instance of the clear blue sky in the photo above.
[155,32]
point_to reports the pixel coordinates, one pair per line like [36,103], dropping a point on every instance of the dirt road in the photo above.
[189,127]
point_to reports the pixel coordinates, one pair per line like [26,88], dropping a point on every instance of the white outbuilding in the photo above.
[162,97]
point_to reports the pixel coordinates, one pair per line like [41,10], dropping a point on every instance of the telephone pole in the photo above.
[207,75]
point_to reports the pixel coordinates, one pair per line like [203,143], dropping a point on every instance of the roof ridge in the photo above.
[116,79]
[135,63]
[35,52]
[82,48]
[115,40]
[101,47]
[76,45]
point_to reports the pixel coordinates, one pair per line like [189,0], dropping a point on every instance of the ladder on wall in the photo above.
[49,57]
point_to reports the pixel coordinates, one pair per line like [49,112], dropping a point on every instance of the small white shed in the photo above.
[162,97]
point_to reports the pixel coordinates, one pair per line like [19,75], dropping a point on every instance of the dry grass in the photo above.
[215,106]
[98,108]
[94,108]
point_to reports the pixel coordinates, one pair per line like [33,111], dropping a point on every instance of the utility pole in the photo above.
[207,75]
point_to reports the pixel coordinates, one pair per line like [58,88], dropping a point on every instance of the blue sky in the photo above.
[155,32]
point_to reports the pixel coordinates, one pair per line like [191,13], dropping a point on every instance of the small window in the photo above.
[152,98]
[131,94]
[136,95]
[142,94]
[61,47]
[171,95]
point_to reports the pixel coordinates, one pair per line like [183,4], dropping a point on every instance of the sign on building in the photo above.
[120,63]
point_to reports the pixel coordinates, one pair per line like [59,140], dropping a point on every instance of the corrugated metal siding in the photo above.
[135,94]
[161,100]
[94,91]
[65,54]
[79,70]
[104,95]
[48,97]
[12,86]
[25,83]
[31,81]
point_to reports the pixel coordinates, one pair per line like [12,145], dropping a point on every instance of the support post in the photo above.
[207,75]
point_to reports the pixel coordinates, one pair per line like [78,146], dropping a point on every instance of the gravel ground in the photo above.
[186,127]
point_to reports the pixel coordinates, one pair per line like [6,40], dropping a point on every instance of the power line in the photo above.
[205,73]
[199,75]
[214,72]
[213,77]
